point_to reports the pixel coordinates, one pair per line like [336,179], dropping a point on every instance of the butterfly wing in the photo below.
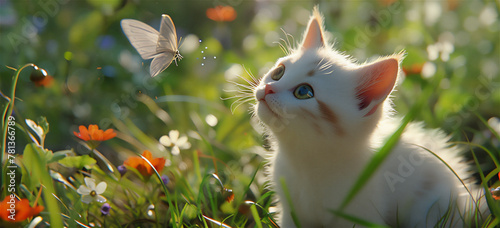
[168,36]
[160,63]
[143,37]
[166,46]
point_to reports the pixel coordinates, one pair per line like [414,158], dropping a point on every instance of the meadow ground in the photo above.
[68,73]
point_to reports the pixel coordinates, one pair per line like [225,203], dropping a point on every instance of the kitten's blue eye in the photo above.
[278,72]
[303,91]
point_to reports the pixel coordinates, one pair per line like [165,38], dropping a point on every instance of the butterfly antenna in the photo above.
[180,42]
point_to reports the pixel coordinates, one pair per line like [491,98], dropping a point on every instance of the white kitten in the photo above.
[326,115]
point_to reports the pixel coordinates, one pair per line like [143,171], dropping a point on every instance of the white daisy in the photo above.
[91,192]
[177,143]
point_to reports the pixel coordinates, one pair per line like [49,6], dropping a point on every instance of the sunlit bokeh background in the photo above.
[99,78]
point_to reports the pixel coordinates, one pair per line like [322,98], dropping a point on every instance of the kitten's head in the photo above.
[317,91]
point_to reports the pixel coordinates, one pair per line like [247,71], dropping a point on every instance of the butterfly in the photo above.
[161,46]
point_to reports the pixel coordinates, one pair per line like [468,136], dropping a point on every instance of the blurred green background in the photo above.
[99,78]
[452,46]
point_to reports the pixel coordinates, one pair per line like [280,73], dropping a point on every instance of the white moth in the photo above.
[161,46]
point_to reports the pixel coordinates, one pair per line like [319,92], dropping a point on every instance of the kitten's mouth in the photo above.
[263,101]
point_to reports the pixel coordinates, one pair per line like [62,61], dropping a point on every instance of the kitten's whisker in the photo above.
[244,91]
[239,85]
[234,97]
[324,65]
[238,96]
[255,81]
[250,82]
[242,100]
[239,102]
[250,85]
[287,42]
[293,41]
[282,47]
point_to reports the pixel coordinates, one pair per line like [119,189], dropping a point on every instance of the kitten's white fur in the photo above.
[320,152]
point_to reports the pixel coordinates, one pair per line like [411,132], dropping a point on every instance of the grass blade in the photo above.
[290,202]
[385,150]
[374,163]
[256,216]
[357,220]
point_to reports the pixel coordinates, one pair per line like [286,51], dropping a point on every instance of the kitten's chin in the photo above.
[264,112]
[267,116]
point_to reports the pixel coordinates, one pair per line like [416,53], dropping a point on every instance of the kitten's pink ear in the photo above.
[313,37]
[376,82]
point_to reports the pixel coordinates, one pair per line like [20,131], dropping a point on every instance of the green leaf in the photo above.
[35,128]
[78,162]
[56,156]
[42,122]
[31,177]
[256,216]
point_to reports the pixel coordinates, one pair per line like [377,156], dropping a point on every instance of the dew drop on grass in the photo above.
[204,57]
[215,57]
[202,52]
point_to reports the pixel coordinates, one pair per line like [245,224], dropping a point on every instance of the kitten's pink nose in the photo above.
[268,90]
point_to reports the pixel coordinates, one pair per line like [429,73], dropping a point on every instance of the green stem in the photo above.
[46,180]
[7,112]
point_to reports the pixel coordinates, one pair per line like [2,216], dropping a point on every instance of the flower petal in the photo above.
[100,199]
[175,150]
[83,134]
[147,154]
[83,190]
[133,162]
[87,199]
[159,164]
[184,146]
[90,183]
[221,13]
[165,140]
[108,134]
[181,140]
[101,188]
[96,135]
[174,135]
[93,128]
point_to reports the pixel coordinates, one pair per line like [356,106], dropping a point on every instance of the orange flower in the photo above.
[45,82]
[14,210]
[221,13]
[495,193]
[94,133]
[142,166]
[40,77]
[386,2]
[413,69]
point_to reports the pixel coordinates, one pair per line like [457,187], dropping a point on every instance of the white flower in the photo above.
[91,192]
[494,123]
[173,140]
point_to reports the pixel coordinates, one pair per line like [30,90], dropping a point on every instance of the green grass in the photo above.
[82,46]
